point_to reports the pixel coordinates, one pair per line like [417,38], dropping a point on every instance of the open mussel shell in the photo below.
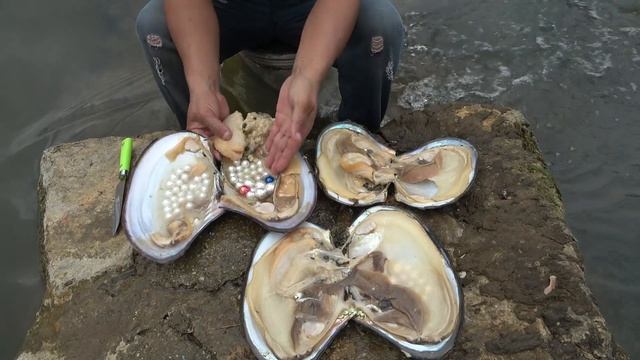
[391,277]
[167,206]
[143,215]
[434,175]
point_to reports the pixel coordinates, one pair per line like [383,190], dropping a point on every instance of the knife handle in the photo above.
[125,156]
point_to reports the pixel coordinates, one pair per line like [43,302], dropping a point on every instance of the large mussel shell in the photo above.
[424,350]
[141,218]
[327,175]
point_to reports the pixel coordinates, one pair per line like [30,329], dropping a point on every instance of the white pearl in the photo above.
[189,205]
[205,181]
[248,183]
[176,211]
[257,178]
[196,221]
[203,189]
[186,168]
[192,186]
[168,216]
[168,193]
[252,166]
[233,179]
[250,157]
[251,195]
[197,179]
[184,177]
[166,202]
[260,193]
[167,209]
[202,195]
[265,173]
[174,199]
[253,173]
[245,163]
[169,184]
[259,163]
[173,177]
[178,172]
[181,200]
[176,190]
[184,187]
[179,182]
[205,176]
[236,163]
[259,185]
[189,197]
[269,187]
[238,186]
[232,169]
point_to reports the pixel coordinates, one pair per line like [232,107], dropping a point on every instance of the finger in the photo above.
[217,155]
[224,106]
[218,128]
[276,150]
[272,135]
[291,148]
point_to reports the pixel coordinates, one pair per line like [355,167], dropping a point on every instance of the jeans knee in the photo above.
[380,23]
[150,23]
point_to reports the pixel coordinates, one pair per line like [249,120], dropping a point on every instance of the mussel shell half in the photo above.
[307,202]
[255,337]
[332,193]
[425,350]
[468,177]
[139,216]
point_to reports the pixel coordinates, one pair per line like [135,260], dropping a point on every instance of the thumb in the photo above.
[218,128]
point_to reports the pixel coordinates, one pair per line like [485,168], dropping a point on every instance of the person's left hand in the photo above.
[295,114]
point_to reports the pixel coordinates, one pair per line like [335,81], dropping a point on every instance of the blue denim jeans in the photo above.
[366,66]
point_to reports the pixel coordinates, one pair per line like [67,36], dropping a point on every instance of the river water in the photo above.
[72,69]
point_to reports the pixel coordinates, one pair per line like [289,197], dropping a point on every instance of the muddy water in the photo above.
[72,69]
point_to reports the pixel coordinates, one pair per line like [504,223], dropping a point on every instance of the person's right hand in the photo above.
[207,110]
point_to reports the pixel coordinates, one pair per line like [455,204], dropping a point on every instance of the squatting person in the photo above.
[185,41]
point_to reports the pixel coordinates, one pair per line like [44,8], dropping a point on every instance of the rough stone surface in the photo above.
[505,238]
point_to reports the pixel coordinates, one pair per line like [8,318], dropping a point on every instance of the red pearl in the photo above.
[244,189]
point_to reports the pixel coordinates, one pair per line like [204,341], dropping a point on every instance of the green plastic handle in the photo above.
[125,156]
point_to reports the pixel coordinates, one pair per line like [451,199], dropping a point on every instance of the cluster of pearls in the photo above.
[183,192]
[251,179]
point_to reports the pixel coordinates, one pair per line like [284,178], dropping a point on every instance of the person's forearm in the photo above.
[194,29]
[325,34]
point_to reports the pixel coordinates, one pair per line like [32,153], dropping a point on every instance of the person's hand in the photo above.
[295,114]
[207,110]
